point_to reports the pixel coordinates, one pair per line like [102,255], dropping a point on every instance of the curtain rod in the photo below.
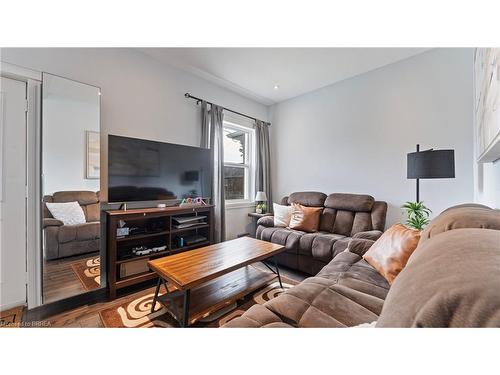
[198,100]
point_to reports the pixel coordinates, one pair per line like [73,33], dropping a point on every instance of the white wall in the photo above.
[66,122]
[353,136]
[487,184]
[140,96]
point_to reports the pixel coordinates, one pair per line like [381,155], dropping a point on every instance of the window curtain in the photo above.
[263,167]
[212,137]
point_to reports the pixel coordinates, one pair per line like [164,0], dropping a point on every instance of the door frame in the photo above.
[33,80]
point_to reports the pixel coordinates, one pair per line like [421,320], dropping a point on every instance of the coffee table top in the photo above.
[194,267]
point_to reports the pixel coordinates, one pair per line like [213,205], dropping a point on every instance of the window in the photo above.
[238,162]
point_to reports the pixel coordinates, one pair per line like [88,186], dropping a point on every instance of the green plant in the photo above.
[418,214]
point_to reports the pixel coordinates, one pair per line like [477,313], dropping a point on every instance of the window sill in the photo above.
[239,204]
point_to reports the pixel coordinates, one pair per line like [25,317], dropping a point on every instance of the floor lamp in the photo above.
[430,164]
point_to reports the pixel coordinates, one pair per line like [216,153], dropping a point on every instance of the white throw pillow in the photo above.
[282,215]
[69,213]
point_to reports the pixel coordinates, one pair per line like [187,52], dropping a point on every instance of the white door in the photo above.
[13,107]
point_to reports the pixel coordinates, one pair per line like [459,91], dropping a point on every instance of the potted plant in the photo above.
[417,215]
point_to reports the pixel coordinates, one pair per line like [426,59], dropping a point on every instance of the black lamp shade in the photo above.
[431,164]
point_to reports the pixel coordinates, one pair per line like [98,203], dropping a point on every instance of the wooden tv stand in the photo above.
[164,234]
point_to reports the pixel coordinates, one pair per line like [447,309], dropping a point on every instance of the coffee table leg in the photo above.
[278,271]
[156,295]
[185,311]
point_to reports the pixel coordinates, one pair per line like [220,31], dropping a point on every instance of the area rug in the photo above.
[88,272]
[137,313]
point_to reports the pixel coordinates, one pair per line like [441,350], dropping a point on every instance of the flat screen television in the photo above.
[142,170]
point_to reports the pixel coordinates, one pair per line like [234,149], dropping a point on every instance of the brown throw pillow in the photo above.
[390,253]
[305,218]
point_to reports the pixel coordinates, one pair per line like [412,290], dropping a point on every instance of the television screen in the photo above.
[141,170]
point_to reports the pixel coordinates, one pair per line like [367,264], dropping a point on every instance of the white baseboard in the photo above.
[11,305]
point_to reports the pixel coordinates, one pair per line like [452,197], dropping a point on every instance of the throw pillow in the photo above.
[390,253]
[69,213]
[305,218]
[282,215]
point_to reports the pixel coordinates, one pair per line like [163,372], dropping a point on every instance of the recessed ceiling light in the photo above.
[276,87]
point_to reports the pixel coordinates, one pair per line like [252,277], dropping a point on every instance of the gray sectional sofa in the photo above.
[61,240]
[344,216]
[450,280]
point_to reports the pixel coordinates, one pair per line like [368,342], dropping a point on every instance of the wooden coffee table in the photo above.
[202,281]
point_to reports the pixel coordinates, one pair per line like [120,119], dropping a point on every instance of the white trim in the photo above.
[33,229]
[18,72]
[11,305]
[33,136]
[244,125]
[239,203]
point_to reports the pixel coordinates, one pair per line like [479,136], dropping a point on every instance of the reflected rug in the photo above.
[88,272]
[137,313]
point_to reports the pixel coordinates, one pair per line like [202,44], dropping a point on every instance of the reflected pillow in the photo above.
[70,213]
[282,215]
[305,218]
[390,253]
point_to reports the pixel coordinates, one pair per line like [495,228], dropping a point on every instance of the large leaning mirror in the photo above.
[70,188]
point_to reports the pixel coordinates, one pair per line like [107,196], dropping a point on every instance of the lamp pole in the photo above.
[417,180]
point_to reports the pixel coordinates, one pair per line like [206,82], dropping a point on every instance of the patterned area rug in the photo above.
[88,272]
[136,313]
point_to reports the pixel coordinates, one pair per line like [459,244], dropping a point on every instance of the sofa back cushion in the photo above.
[451,280]
[88,200]
[344,214]
[307,198]
[348,214]
[462,216]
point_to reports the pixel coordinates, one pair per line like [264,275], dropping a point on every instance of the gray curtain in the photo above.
[263,168]
[212,137]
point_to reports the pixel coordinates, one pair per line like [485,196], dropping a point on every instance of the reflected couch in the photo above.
[61,240]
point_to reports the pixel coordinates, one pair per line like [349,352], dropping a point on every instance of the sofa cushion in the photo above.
[343,223]
[308,198]
[350,202]
[449,281]
[462,216]
[373,235]
[359,246]
[81,232]
[257,316]
[267,221]
[282,215]
[82,197]
[70,213]
[390,253]
[306,241]
[282,236]
[305,218]
[92,212]
[322,246]
[341,295]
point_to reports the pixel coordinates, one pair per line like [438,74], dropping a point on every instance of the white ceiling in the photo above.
[253,72]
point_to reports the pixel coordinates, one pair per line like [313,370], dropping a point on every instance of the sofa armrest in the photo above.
[267,221]
[50,222]
[373,235]
[359,246]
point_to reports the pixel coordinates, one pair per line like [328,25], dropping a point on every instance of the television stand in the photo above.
[150,229]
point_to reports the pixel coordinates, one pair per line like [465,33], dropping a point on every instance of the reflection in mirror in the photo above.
[70,188]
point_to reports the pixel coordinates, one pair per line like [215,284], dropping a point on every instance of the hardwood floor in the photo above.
[88,316]
[11,317]
[59,279]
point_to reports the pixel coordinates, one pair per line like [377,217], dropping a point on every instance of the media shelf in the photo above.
[119,248]
[141,236]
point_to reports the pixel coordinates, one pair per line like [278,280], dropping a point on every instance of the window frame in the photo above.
[248,165]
